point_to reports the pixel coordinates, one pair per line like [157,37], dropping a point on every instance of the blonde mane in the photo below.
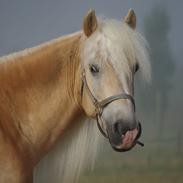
[71,155]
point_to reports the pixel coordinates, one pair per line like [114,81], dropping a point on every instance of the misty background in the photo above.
[26,23]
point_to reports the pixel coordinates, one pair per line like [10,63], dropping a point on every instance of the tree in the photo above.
[156,29]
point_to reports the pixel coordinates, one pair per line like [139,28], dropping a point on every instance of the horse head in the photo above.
[112,52]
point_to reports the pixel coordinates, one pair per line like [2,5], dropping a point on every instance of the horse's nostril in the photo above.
[117,127]
[121,127]
[124,129]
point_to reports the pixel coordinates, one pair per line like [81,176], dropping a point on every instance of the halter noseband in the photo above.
[100,105]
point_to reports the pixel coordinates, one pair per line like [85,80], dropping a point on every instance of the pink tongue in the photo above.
[129,138]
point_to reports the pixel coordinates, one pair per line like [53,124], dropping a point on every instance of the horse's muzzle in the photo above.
[128,140]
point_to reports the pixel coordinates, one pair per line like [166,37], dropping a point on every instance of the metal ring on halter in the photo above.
[100,105]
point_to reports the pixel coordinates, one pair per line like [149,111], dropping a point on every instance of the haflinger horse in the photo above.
[53,96]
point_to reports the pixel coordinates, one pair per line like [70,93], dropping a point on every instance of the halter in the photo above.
[100,105]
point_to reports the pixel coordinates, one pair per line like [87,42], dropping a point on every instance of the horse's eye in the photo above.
[136,67]
[94,69]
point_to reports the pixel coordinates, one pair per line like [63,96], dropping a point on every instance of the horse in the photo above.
[53,97]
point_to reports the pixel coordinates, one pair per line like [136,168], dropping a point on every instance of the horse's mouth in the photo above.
[128,140]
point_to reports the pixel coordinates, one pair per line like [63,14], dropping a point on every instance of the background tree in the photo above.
[156,29]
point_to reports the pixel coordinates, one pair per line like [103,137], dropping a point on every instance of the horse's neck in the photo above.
[41,87]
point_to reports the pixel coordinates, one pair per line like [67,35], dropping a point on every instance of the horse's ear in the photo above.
[90,23]
[130,19]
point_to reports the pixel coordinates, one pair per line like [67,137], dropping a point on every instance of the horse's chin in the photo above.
[128,141]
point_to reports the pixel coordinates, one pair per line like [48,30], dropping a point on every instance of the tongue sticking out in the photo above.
[128,139]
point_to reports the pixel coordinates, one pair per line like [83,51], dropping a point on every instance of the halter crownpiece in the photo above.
[100,105]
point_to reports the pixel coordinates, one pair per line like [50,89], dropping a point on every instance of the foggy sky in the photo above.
[25,23]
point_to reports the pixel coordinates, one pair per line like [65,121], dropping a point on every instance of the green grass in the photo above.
[148,165]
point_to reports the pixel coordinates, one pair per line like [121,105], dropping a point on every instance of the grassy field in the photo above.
[151,164]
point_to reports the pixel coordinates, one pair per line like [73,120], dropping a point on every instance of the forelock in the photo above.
[119,44]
